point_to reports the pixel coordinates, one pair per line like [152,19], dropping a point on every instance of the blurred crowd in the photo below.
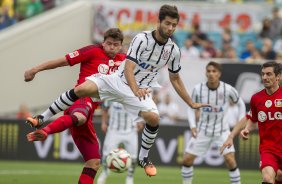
[247,47]
[13,11]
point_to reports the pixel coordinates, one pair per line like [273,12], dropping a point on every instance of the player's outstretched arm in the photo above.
[236,130]
[250,125]
[179,87]
[59,62]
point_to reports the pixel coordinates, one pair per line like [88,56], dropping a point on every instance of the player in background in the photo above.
[265,110]
[93,59]
[120,129]
[149,52]
[211,128]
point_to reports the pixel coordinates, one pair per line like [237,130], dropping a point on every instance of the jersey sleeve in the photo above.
[252,114]
[174,62]
[138,44]
[81,55]
[233,94]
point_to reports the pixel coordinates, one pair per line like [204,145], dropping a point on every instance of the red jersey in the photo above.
[93,59]
[267,111]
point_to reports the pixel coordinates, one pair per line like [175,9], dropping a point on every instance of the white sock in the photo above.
[234,175]
[187,174]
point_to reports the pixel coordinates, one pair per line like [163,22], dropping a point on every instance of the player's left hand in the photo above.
[199,105]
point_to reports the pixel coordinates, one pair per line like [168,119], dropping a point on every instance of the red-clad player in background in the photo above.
[94,59]
[266,109]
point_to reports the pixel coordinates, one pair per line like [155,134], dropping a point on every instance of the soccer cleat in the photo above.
[38,135]
[35,122]
[149,168]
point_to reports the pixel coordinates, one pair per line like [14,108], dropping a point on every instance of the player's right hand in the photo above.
[227,144]
[245,134]
[141,93]
[29,75]
[199,105]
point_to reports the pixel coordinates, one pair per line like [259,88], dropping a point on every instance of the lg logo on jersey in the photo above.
[103,69]
[262,116]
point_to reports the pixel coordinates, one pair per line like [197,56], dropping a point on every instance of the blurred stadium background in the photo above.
[33,31]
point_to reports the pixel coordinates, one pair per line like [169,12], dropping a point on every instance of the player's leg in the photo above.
[110,143]
[76,115]
[229,158]
[187,168]
[146,110]
[86,141]
[149,133]
[278,178]
[131,145]
[195,147]
[268,166]
[234,172]
[65,100]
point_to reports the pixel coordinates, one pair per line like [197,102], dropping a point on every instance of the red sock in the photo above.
[60,124]
[87,176]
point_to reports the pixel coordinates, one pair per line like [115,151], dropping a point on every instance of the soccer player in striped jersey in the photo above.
[93,59]
[149,51]
[211,128]
[120,129]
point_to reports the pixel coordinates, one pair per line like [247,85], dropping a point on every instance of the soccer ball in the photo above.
[118,160]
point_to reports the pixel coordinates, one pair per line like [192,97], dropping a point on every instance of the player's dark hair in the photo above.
[277,68]
[167,10]
[215,64]
[114,33]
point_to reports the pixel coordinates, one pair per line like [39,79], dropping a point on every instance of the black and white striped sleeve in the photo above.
[138,44]
[174,63]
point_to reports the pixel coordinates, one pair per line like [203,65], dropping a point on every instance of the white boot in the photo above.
[129,180]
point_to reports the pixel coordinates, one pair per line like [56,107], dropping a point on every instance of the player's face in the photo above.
[167,27]
[269,79]
[112,47]
[212,74]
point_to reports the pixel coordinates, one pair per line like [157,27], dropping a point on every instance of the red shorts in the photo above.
[84,136]
[270,159]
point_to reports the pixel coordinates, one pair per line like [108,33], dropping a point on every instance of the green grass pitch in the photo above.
[18,172]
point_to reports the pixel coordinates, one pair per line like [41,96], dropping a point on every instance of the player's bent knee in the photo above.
[81,118]
[93,163]
[188,159]
[151,118]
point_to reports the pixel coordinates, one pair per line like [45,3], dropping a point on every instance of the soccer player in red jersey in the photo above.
[266,110]
[94,59]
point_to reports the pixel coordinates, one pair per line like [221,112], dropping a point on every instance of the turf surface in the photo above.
[18,172]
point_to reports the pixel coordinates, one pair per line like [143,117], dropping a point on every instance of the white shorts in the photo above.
[113,138]
[199,146]
[112,88]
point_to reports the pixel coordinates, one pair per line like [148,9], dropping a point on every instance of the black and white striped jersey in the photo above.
[211,118]
[150,56]
[119,118]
